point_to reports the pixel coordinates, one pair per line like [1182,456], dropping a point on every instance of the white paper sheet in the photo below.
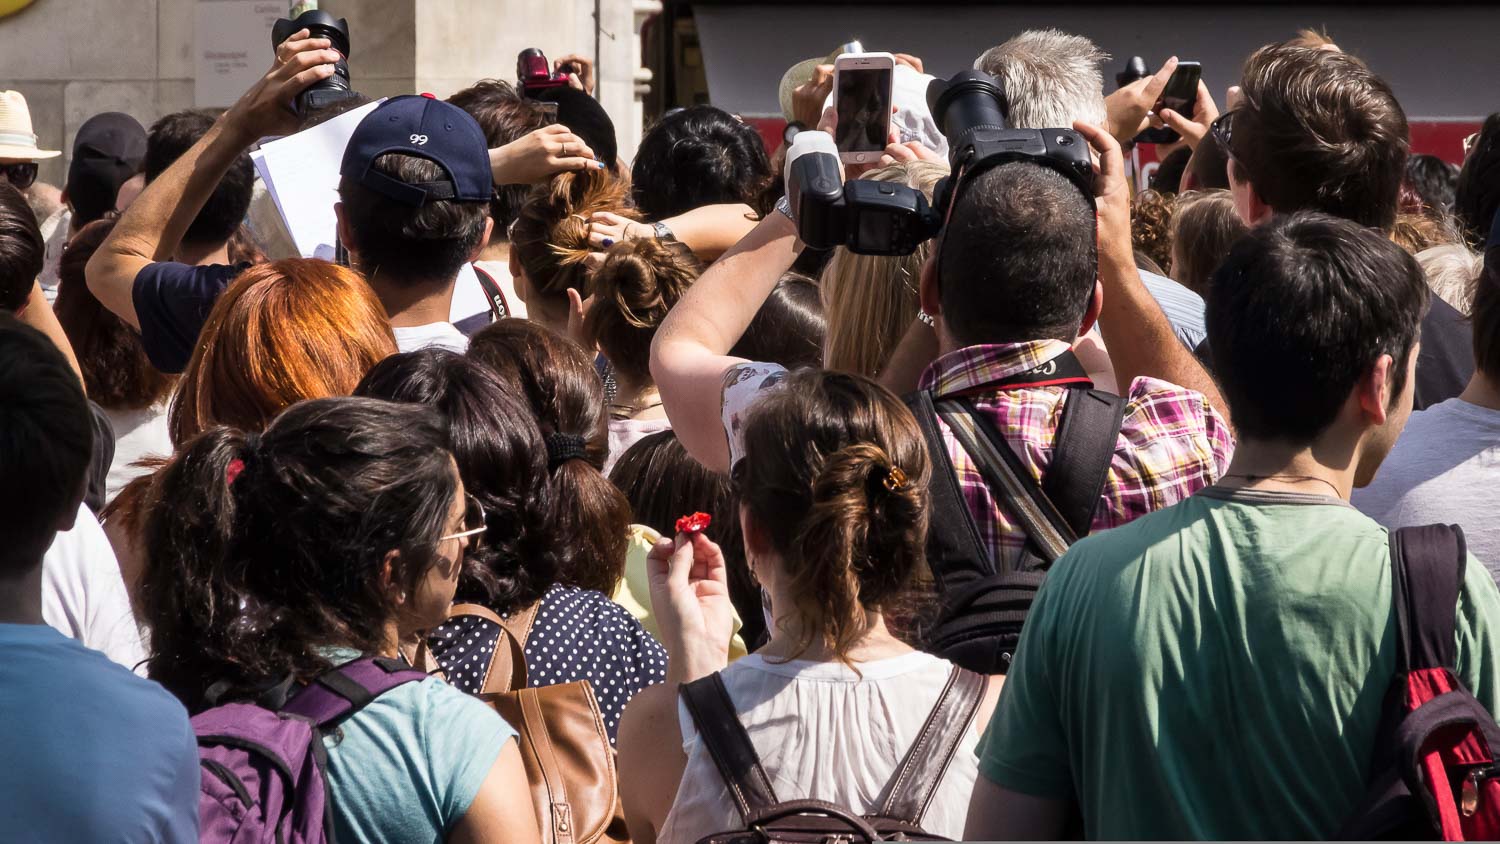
[301,172]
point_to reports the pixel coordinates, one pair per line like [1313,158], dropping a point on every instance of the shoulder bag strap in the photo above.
[1082,454]
[340,692]
[911,788]
[499,308]
[1003,471]
[951,533]
[1425,580]
[507,671]
[724,737]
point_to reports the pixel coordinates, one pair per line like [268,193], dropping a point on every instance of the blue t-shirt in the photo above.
[172,302]
[407,766]
[91,752]
[1183,307]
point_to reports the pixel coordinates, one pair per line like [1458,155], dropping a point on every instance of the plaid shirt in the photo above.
[1171,442]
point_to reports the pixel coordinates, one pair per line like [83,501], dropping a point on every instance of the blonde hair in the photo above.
[550,237]
[1453,271]
[871,300]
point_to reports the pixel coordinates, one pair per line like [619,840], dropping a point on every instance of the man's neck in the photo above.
[21,595]
[1482,390]
[1323,468]
[496,251]
[414,304]
[201,254]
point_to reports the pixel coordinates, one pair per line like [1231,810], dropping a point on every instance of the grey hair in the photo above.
[1051,78]
[1452,271]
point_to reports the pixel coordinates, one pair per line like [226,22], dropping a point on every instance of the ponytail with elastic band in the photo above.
[563,447]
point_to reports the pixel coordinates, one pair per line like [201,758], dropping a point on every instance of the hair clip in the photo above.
[233,470]
[894,480]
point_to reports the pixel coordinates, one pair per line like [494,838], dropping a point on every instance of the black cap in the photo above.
[107,150]
[585,118]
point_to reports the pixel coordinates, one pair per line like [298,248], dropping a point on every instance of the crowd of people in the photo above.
[440,482]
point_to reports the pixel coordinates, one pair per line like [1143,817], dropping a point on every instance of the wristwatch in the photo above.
[663,232]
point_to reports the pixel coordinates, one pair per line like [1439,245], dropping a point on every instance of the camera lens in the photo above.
[320,24]
[970,100]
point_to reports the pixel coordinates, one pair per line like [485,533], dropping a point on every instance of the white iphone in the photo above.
[862,92]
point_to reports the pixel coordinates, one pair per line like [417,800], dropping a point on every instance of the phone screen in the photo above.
[864,109]
[1181,93]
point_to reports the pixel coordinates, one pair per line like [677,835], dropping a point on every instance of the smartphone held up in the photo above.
[1180,95]
[863,89]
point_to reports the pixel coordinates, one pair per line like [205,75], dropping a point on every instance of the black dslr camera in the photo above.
[320,25]
[880,218]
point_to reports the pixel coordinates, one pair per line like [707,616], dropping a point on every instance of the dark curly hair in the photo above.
[503,462]
[1151,226]
[700,156]
[254,571]
[115,368]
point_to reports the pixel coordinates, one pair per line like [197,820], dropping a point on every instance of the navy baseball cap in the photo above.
[427,127]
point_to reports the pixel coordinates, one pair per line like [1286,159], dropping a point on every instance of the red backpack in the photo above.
[1434,774]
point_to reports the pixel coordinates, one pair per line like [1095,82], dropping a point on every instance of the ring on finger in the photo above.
[565,148]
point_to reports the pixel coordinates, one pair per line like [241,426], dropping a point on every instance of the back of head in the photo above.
[1204,228]
[281,333]
[22,250]
[1476,194]
[1453,272]
[1151,226]
[1433,180]
[115,368]
[406,243]
[638,283]
[789,329]
[1484,315]
[835,478]
[172,136]
[46,438]
[505,116]
[502,460]
[550,238]
[586,118]
[1298,314]
[566,396]
[265,550]
[1423,229]
[1167,179]
[1317,130]
[1051,79]
[699,156]
[1018,259]
[872,299]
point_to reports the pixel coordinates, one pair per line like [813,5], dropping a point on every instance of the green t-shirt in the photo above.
[1216,670]
[406,767]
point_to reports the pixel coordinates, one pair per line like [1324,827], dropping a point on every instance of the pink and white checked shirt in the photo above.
[1171,442]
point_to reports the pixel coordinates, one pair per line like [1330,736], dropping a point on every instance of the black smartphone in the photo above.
[1181,96]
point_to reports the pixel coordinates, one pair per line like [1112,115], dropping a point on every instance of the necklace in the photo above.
[1290,479]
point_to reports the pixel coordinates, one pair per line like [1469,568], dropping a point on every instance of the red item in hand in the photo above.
[694,523]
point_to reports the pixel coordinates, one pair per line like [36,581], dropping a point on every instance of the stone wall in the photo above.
[75,58]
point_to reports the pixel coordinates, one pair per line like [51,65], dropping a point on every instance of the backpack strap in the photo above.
[343,691]
[911,788]
[1082,454]
[507,670]
[1005,474]
[727,742]
[499,308]
[956,553]
[1425,581]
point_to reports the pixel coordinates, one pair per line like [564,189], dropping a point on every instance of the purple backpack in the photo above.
[263,768]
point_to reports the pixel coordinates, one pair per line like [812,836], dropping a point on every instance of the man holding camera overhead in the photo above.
[169,308]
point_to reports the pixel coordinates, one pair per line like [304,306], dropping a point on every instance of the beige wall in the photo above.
[75,58]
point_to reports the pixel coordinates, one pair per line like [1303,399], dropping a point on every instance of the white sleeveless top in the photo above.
[826,733]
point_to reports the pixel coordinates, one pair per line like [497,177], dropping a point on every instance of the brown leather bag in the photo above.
[569,761]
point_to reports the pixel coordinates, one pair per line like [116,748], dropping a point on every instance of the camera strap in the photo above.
[1062,371]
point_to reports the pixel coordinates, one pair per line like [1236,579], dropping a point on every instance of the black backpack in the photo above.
[770,820]
[1435,773]
[984,602]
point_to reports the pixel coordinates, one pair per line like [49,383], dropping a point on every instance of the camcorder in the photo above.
[881,218]
[534,73]
[320,25]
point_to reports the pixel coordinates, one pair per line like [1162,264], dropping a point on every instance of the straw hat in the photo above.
[800,73]
[16,138]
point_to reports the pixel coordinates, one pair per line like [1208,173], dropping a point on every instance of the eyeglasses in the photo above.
[474,520]
[1222,130]
[21,174]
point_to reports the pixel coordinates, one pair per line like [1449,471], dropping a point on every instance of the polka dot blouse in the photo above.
[578,634]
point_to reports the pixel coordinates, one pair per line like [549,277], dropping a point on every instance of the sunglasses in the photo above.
[1470,141]
[21,175]
[474,521]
